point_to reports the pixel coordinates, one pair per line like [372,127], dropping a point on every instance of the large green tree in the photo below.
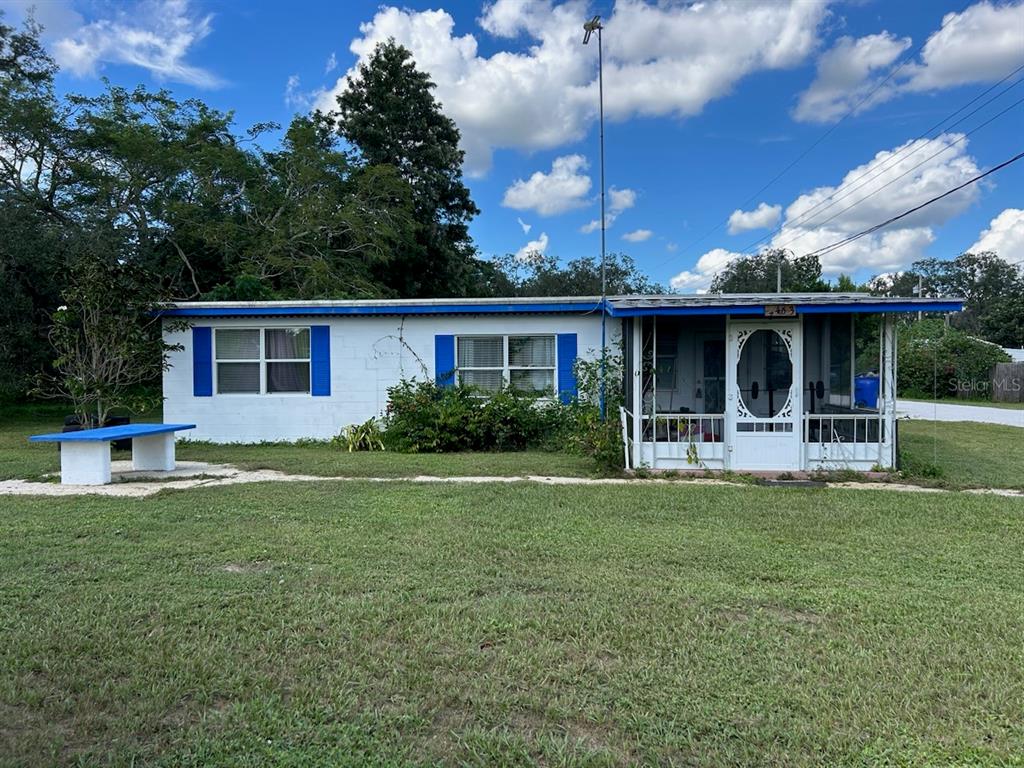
[389,115]
[991,287]
[319,225]
[759,274]
[543,275]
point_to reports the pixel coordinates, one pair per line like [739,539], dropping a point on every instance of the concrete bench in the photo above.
[85,455]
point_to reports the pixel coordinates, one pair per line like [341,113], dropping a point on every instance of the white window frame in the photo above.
[262,360]
[506,369]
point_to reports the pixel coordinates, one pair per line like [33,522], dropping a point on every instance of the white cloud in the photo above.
[619,200]
[710,264]
[332,63]
[981,44]
[534,248]
[880,190]
[660,59]
[638,235]
[847,74]
[760,218]
[564,188]
[526,227]
[1004,235]
[667,59]
[57,17]
[293,95]
[156,35]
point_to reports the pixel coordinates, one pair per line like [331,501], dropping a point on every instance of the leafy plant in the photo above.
[589,433]
[361,437]
[945,362]
[109,349]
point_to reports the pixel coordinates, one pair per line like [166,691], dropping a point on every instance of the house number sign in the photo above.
[779,310]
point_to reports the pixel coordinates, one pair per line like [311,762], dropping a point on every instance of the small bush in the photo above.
[360,437]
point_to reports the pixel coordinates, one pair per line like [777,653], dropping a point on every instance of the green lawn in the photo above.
[965,454]
[325,624]
[953,455]
[21,459]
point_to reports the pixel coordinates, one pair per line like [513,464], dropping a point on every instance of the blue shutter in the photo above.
[444,360]
[566,360]
[320,360]
[202,361]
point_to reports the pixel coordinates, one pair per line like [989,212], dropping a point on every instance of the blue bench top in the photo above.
[109,433]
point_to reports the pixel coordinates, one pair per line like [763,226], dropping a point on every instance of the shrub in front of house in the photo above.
[422,417]
[935,360]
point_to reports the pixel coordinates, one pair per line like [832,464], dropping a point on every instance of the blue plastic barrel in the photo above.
[865,391]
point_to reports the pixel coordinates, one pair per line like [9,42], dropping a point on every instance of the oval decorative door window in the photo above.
[764,373]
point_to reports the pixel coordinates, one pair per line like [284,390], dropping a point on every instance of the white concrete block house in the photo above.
[741,382]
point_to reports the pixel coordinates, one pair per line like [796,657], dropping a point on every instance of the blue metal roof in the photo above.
[616,306]
[755,304]
[397,307]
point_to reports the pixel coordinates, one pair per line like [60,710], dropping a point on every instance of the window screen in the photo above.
[269,360]
[524,363]
[287,356]
[237,345]
[481,352]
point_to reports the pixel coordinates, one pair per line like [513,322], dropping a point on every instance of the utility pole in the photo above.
[594,25]
[920,293]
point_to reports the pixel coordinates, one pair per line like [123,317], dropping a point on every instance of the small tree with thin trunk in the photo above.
[108,342]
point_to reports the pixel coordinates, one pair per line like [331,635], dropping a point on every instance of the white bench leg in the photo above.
[85,463]
[155,452]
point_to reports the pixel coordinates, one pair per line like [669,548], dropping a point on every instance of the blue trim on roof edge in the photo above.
[935,306]
[419,309]
[801,309]
[555,308]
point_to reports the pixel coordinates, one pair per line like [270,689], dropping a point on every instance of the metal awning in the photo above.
[773,304]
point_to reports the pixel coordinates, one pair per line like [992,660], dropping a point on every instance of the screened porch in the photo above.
[793,393]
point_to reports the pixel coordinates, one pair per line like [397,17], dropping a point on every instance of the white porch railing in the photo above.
[844,428]
[697,428]
[626,419]
[852,441]
[688,438]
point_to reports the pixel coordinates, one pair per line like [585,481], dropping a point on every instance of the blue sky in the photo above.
[706,103]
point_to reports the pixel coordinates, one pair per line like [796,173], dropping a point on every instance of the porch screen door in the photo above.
[763,374]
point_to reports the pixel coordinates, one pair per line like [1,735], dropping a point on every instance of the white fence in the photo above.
[674,440]
[854,441]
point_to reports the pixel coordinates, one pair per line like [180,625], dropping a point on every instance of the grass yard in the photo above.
[952,455]
[965,454]
[21,459]
[325,624]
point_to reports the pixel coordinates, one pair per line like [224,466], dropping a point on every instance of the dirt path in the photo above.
[192,474]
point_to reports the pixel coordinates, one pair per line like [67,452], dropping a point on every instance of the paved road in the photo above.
[950,412]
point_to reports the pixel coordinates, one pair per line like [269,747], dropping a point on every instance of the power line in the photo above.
[839,243]
[851,111]
[909,149]
[806,229]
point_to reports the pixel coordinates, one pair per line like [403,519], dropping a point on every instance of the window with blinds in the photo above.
[257,361]
[525,364]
